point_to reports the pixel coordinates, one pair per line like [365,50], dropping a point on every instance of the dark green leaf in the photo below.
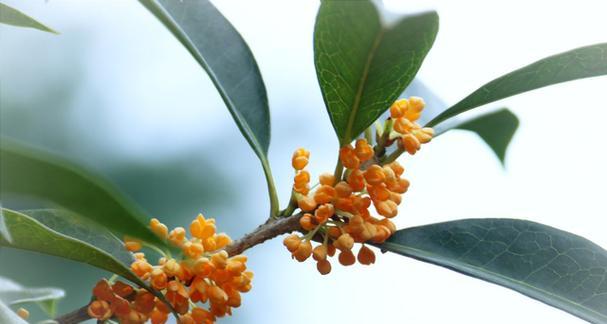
[556,267]
[11,293]
[28,172]
[12,16]
[495,128]
[77,227]
[362,66]
[583,62]
[223,53]
[29,234]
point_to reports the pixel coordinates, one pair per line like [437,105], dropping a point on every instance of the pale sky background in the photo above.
[157,102]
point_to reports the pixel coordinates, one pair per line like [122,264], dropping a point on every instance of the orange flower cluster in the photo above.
[338,211]
[205,275]
[411,135]
[127,304]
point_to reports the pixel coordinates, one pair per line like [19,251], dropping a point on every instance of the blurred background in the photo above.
[117,93]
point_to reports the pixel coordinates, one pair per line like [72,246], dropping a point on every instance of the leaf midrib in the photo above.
[433,257]
[361,85]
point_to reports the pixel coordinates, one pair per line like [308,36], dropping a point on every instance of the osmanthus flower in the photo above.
[338,212]
[203,284]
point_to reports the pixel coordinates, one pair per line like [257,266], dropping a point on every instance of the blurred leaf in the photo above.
[4,234]
[583,62]
[12,16]
[77,227]
[49,306]
[29,234]
[174,189]
[225,56]
[495,128]
[362,66]
[7,316]
[555,267]
[26,171]
[11,293]
[227,59]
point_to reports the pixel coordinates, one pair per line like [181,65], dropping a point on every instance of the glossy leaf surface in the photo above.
[583,62]
[29,234]
[553,266]
[223,54]
[363,66]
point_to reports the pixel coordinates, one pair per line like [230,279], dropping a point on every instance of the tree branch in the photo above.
[79,315]
[270,229]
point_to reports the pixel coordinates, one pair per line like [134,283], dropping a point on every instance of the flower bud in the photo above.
[327,179]
[366,256]
[306,203]
[346,258]
[344,242]
[303,252]
[323,266]
[99,309]
[363,150]
[306,222]
[319,253]
[292,242]
[398,108]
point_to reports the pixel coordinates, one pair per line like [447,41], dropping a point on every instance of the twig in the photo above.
[270,229]
[77,316]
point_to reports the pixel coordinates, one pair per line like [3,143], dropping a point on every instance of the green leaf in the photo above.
[224,55]
[12,16]
[495,128]
[583,62]
[11,293]
[26,171]
[362,66]
[77,227]
[30,234]
[553,266]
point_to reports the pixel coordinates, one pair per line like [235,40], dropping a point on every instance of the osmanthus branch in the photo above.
[270,229]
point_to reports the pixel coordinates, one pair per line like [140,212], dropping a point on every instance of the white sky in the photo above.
[555,168]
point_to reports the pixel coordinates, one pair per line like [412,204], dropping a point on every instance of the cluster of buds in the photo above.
[337,213]
[404,114]
[125,303]
[206,275]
